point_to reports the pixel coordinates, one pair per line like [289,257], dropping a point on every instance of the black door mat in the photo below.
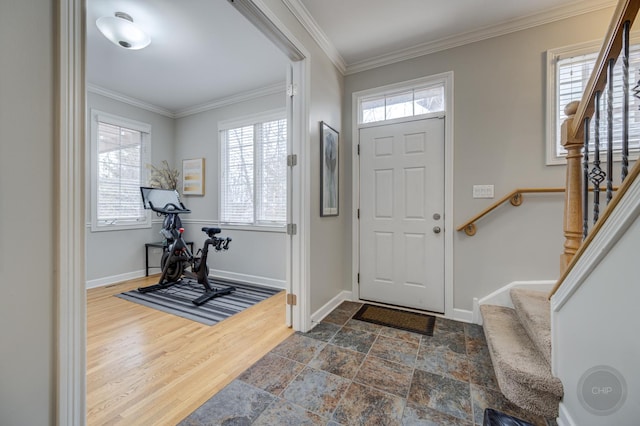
[395,318]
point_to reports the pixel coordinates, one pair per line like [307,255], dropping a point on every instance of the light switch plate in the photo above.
[482,191]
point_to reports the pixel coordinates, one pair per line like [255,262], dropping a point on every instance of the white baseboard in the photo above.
[318,315]
[234,276]
[564,418]
[462,315]
[501,296]
[246,278]
[101,282]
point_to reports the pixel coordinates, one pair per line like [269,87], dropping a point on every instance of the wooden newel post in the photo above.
[573,196]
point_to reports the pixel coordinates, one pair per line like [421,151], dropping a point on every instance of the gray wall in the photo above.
[112,254]
[27,212]
[252,253]
[499,139]
[330,245]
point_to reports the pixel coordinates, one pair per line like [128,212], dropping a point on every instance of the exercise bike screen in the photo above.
[159,197]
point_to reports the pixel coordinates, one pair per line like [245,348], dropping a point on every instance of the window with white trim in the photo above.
[409,102]
[568,71]
[253,164]
[119,152]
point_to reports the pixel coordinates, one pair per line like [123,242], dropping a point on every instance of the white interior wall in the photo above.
[595,329]
[499,139]
[27,213]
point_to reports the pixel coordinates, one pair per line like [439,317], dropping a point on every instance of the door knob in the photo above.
[436,229]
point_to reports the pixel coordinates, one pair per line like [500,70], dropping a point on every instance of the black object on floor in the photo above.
[496,418]
[395,318]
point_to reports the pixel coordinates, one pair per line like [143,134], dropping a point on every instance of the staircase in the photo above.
[597,292]
[519,341]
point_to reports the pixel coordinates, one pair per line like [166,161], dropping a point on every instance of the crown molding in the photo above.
[506,27]
[306,20]
[93,88]
[218,103]
[562,12]
[239,97]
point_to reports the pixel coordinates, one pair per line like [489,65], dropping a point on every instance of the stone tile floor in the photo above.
[349,372]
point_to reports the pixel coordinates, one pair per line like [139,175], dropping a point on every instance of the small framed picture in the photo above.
[193,176]
[329,154]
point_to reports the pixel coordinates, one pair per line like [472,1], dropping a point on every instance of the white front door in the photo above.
[401,214]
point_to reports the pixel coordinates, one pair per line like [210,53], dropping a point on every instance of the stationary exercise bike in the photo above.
[178,263]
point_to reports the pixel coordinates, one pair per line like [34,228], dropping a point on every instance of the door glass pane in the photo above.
[372,110]
[399,105]
[429,100]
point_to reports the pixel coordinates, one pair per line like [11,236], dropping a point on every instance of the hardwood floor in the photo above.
[145,367]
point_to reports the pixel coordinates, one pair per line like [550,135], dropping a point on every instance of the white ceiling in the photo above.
[362,30]
[204,50]
[200,51]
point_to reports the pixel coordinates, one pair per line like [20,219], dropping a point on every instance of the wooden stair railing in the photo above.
[575,136]
[633,175]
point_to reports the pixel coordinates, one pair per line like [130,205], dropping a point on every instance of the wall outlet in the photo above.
[482,191]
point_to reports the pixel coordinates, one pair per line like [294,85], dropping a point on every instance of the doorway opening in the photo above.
[71,228]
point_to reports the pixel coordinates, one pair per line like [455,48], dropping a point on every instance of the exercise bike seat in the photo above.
[211,231]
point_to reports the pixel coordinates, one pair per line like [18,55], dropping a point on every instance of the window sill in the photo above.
[254,228]
[111,228]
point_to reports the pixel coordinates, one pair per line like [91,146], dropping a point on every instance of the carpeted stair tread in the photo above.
[524,376]
[534,311]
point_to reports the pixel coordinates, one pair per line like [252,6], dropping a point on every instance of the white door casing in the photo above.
[402,245]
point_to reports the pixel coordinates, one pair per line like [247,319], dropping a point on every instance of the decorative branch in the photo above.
[163,177]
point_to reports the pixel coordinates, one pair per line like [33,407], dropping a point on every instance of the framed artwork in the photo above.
[193,176]
[329,153]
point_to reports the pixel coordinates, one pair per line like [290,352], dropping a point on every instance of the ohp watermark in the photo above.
[602,390]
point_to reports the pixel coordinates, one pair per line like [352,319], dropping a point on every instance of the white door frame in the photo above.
[447,79]
[69,166]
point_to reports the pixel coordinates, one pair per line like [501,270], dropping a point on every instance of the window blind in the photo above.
[254,174]
[572,76]
[119,175]
[238,176]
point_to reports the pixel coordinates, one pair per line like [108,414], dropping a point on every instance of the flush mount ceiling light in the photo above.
[121,31]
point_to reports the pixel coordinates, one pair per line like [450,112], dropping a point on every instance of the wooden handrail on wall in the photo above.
[514,197]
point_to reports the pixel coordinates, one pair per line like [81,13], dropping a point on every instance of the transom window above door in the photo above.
[402,103]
